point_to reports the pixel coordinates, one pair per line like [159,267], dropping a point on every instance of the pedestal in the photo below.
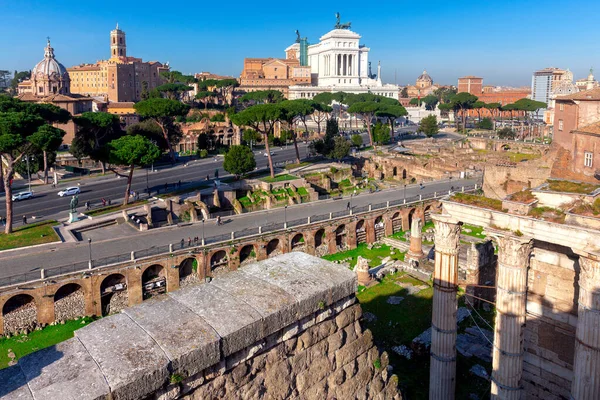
[73,217]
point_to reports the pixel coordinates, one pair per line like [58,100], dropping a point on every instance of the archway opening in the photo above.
[395,172]
[218,262]
[403,174]
[379,228]
[20,314]
[340,237]
[69,302]
[188,272]
[397,222]
[427,214]
[361,232]
[411,215]
[273,248]
[154,281]
[113,294]
[247,254]
[298,242]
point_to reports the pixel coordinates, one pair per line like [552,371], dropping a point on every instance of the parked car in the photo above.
[22,196]
[70,191]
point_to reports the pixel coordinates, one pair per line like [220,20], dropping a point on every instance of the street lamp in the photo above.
[202,231]
[405,190]
[28,172]
[90,248]
[285,217]
[147,186]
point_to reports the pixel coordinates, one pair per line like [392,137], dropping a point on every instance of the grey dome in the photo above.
[49,66]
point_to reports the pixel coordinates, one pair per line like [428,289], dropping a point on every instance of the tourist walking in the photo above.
[24,220]
[182,242]
[87,206]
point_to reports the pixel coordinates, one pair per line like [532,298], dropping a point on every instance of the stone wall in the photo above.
[287,327]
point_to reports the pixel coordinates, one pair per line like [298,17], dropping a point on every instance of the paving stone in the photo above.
[13,384]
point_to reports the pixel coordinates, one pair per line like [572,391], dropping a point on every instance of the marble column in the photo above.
[511,301]
[415,252]
[586,367]
[442,376]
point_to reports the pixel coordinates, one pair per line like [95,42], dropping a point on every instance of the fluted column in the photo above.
[586,368]
[442,377]
[511,300]
[415,251]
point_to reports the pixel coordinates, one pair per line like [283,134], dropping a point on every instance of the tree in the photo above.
[321,113]
[404,93]
[291,110]
[430,102]
[219,117]
[463,101]
[366,110]
[325,146]
[341,148]
[263,97]
[225,89]
[144,95]
[391,113]
[429,126]
[478,106]
[445,108]
[261,118]
[163,112]
[174,91]
[415,102]
[444,94]
[493,108]
[486,124]
[203,143]
[506,133]
[356,140]
[251,136]
[205,96]
[15,131]
[150,130]
[47,139]
[131,151]
[96,130]
[381,133]
[52,115]
[239,160]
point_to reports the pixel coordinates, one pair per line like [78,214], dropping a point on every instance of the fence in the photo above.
[166,249]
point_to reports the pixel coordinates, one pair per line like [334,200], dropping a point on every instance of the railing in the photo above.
[166,249]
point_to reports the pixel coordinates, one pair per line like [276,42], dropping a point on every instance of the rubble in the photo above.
[23,319]
[118,301]
[394,300]
[189,279]
[403,351]
[70,306]
[480,371]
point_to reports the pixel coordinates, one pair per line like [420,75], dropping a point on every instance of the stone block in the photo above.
[273,303]
[348,316]
[14,385]
[188,341]
[132,363]
[236,322]
[64,371]
[354,349]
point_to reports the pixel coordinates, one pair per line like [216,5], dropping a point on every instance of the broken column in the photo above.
[415,252]
[511,301]
[362,271]
[586,367]
[442,378]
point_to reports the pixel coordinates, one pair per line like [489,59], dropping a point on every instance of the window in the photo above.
[560,124]
[588,159]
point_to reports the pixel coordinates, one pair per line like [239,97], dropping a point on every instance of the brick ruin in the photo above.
[283,328]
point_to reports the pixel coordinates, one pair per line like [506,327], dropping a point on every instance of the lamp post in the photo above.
[202,231]
[285,217]
[147,186]
[90,248]
[28,172]
[405,190]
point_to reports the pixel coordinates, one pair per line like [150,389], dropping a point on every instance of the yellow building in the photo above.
[120,78]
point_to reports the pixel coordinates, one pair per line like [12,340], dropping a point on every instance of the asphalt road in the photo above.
[33,259]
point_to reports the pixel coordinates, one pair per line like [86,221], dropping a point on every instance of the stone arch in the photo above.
[247,254]
[113,294]
[320,243]
[411,215]
[69,302]
[379,226]
[397,222]
[298,243]
[427,214]
[361,232]
[188,272]
[341,236]
[273,248]
[154,281]
[219,262]
[20,313]
[404,175]
[395,172]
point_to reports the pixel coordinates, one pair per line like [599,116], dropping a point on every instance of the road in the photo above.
[33,259]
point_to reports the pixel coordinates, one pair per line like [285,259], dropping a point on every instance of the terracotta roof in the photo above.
[123,104]
[593,94]
[592,128]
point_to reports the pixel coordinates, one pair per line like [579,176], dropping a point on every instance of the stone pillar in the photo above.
[442,377]
[362,271]
[586,367]
[415,252]
[511,302]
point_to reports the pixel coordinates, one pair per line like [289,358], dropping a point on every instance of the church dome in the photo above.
[425,77]
[49,66]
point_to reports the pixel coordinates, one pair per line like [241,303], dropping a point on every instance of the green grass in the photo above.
[548,214]
[29,235]
[399,235]
[115,207]
[292,166]
[279,178]
[476,231]
[345,183]
[22,345]
[362,250]
[571,187]
[518,157]
[290,192]
[302,191]
[478,201]
[245,201]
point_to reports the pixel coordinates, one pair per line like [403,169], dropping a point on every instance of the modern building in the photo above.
[50,83]
[339,62]
[121,78]
[470,84]
[544,81]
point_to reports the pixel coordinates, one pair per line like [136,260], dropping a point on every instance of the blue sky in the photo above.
[502,41]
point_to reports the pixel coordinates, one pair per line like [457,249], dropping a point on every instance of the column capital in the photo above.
[447,233]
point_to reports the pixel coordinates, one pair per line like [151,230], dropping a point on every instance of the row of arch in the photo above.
[71,300]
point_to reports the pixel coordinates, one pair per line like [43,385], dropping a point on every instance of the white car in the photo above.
[266,155]
[22,196]
[70,191]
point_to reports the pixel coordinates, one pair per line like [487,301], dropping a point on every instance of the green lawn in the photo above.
[22,345]
[362,250]
[571,187]
[302,191]
[518,157]
[29,235]
[399,235]
[476,231]
[279,178]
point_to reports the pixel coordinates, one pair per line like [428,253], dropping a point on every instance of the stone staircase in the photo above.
[396,243]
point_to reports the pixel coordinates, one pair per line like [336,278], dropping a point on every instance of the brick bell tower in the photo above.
[118,45]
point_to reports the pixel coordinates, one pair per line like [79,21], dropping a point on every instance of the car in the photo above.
[22,196]
[70,191]
[265,154]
